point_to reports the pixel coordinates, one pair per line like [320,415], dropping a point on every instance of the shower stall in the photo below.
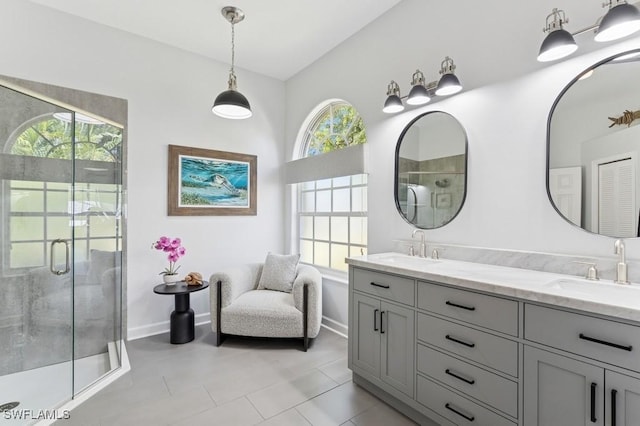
[62,243]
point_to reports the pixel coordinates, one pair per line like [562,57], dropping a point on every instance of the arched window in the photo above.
[332,213]
[44,205]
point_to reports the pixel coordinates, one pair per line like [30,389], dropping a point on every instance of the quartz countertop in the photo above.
[601,297]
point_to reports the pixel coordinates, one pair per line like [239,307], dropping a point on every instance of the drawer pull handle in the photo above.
[594,387]
[603,342]
[458,412]
[614,394]
[379,285]
[381,318]
[457,376]
[453,339]
[375,319]
[456,305]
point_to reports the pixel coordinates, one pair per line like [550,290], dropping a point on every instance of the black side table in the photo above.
[182,318]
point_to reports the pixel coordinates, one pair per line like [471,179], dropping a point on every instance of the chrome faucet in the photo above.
[423,246]
[621,268]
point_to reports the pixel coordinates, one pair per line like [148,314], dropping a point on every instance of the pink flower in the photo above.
[174,251]
[181,251]
[175,243]
[173,257]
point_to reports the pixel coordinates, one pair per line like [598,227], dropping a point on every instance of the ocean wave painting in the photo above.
[206,182]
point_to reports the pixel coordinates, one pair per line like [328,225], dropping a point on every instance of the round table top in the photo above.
[179,287]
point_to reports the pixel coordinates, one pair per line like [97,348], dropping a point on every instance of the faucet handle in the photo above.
[435,254]
[592,271]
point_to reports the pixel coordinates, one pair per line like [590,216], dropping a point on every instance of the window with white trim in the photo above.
[332,213]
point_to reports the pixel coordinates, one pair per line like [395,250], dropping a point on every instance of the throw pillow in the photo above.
[279,272]
[99,262]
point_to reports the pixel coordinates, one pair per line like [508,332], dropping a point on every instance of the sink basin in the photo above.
[591,288]
[404,260]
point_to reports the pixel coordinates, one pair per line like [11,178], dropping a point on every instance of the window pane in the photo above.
[80,250]
[338,253]
[306,227]
[342,181]
[58,202]
[359,179]
[307,203]
[106,244]
[27,201]
[26,184]
[308,185]
[102,226]
[58,227]
[324,201]
[322,184]
[341,200]
[58,185]
[358,231]
[359,199]
[321,256]
[340,229]
[26,255]
[321,228]
[306,251]
[357,251]
[27,228]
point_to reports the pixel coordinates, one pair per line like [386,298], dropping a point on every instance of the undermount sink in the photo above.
[404,260]
[592,288]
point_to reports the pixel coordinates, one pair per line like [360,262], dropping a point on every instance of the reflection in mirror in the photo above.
[593,148]
[431,163]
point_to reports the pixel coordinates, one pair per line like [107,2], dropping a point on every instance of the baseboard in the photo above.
[160,327]
[335,327]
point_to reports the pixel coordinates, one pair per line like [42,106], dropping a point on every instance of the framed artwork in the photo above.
[443,201]
[206,182]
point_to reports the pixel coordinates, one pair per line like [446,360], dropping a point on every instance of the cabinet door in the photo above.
[561,391]
[365,337]
[622,400]
[398,347]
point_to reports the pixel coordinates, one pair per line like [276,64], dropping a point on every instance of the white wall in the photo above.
[170,93]
[505,118]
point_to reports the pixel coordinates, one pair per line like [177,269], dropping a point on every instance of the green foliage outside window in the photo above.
[338,126]
[51,138]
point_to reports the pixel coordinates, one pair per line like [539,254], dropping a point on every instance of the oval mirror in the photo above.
[593,148]
[431,165]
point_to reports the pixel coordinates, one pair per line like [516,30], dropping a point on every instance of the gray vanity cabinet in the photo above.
[561,391]
[622,400]
[383,336]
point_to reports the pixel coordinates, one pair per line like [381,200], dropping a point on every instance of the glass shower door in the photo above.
[36,253]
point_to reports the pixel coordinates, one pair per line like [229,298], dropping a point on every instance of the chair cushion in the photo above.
[262,313]
[279,272]
[99,262]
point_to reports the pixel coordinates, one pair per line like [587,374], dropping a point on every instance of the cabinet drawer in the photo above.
[456,408]
[475,308]
[487,387]
[488,349]
[608,341]
[390,287]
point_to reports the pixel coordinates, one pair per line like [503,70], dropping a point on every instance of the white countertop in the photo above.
[601,297]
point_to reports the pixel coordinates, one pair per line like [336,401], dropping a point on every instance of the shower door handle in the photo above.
[67,266]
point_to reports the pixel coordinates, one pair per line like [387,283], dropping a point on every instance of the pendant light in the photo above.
[418,95]
[231,103]
[393,103]
[559,42]
[621,20]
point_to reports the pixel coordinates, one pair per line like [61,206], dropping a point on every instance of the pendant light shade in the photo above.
[620,21]
[231,103]
[393,103]
[418,95]
[449,83]
[559,42]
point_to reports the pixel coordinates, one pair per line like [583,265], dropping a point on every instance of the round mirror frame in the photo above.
[549,120]
[397,171]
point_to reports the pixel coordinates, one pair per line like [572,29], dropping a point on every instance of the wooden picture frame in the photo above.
[205,182]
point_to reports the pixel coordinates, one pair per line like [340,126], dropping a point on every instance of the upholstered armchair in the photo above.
[241,306]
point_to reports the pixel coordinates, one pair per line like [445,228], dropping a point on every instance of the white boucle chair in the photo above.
[238,307]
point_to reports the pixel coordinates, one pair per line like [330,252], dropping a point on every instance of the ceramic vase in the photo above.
[170,279]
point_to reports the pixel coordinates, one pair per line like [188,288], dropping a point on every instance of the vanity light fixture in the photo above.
[231,103]
[621,20]
[421,92]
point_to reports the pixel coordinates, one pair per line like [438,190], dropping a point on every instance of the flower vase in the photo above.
[170,279]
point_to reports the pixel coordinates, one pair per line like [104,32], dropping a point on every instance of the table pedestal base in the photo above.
[182,321]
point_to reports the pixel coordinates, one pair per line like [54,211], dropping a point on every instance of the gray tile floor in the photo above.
[243,382]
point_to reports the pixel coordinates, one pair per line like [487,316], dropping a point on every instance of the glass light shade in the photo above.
[557,44]
[418,95]
[232,104]
[448,85]
[393,104]
[621,21]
